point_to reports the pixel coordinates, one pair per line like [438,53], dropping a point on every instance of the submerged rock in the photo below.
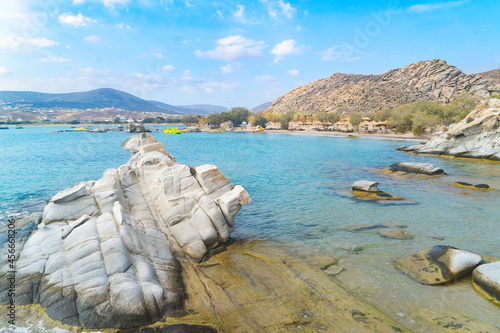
[394,233]
[105,252]
[368,190]
[486,281]
[438,264]
[476,136]
[419,168]
[472,187]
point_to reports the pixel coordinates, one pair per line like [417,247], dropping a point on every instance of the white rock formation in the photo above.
[486,280]
[104,253]
[420,168]
[365,185]
[476,136]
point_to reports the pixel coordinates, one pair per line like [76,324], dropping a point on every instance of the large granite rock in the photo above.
[433,80]
[486,281]
[438,264]
[419,168]
[476,136]
[105,253]
[137,128]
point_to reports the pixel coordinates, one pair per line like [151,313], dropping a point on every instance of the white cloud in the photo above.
[76,21]
[93,39]
[265,79]
[21,44]
[286,47]
[52,58]
[420,8]
[342,53]
[4,71]
[233,48]
[228,69]
[293,72]
[239,13]
[112,3]
[123,26]
[277,8]
[167,68]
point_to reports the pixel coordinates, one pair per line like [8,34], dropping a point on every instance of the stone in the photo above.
[394,233]
[106,254]
[438,264]
[374,196]
[476,136]
[334,270]
[360,227]
[135,128]
[418,168]
[366,185]
[486,281]
[472,187]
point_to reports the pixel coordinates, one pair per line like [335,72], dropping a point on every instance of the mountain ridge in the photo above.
[432,80]
[97,98]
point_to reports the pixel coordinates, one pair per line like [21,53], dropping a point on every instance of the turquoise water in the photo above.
[300,191]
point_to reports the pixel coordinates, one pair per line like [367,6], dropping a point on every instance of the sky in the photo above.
[232,53]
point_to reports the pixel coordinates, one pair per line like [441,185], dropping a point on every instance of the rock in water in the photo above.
[438,264]
[476,136]
[486,281]
[133,128]
[104,253]
[366,185]
[420,168]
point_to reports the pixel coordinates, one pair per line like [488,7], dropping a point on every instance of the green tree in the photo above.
[332,117]
[259,120]
[117,120]
[355,119]
[189,119]
[285,119]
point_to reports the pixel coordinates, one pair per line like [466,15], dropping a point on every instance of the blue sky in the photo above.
[232,53]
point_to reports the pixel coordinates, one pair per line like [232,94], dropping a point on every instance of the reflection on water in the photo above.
[298,186]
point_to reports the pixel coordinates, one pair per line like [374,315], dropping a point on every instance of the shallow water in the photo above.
[300,191]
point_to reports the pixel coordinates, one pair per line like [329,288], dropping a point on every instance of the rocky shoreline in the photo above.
[476,136]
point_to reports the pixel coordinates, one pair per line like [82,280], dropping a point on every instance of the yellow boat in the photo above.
[81,129]
[258,129]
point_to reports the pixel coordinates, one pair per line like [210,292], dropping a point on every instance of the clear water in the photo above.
[300,191]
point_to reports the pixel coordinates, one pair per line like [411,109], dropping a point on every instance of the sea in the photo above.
[300,187]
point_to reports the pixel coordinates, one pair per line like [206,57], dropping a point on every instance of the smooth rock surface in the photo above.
[105,253]
[486,281]
[438,264]
[366,185]
[476,136]
[419,168]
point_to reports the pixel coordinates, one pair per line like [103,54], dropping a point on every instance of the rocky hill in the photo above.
[493,76]
[433,80]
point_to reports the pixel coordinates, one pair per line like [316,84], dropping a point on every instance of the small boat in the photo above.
[81,129]
[19,127]
[4,127]
[258,129]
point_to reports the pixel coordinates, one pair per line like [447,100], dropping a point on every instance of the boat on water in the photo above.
[19,127]
[81,129]
[4,127]
[258,129]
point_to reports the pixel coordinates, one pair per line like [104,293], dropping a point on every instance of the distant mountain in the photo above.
[433,80]
[493,75]
[262,107]
[203,108]
[100,98]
